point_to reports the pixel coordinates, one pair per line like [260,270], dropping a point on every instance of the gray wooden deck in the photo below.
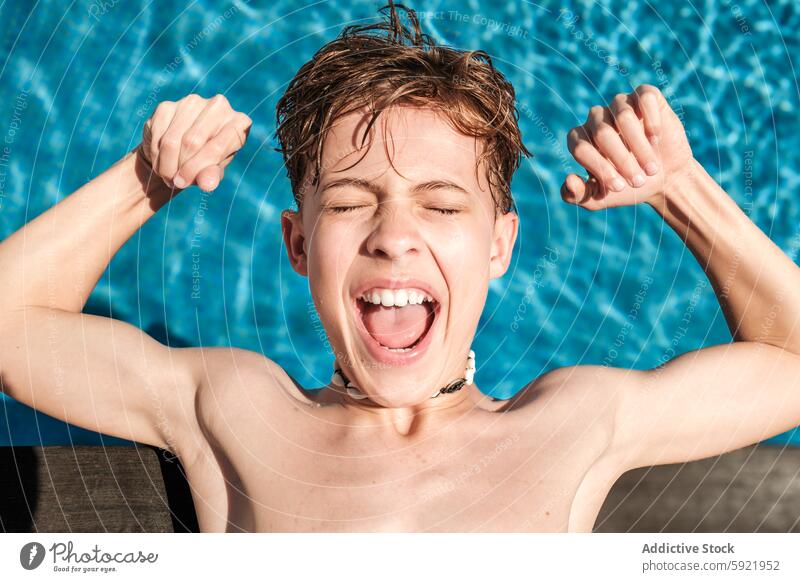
[93,489]
[754,489]
[142,489]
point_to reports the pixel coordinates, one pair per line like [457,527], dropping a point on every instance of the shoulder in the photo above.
[229,384]
[590,384]
[587,400]
[224,371]
[582,406]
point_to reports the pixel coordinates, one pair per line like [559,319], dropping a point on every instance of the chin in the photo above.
[393,386]
[400,396]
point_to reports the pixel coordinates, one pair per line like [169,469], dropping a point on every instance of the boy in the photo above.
[400,155]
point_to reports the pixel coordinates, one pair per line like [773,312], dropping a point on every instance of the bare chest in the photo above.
[313,475]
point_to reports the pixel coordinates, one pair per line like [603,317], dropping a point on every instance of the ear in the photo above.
[505,235]
[293,238]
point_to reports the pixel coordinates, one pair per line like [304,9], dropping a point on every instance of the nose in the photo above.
[395,233]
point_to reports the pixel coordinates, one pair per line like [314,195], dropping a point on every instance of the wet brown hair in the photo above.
[381,65]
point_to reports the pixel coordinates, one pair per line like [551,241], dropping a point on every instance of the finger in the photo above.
[147,139]
[608,142]
[170,146]
[209,178]
[159,122]
[648,103]
[585,153]
[241,125]
[217,151]
[573,190]
[587,194]
[206,125]
[630,127]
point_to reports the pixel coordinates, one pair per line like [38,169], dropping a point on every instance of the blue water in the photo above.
[89,76]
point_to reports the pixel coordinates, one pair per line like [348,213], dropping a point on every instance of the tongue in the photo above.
[396,327]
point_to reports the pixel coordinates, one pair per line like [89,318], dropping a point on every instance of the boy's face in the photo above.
[380,226]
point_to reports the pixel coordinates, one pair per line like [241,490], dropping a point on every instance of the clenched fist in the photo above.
[632,149]
[192,140]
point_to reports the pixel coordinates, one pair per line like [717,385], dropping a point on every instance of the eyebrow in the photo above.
[375,189]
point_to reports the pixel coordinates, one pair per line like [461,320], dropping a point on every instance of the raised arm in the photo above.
[757,285]
[712,400]
[92,371]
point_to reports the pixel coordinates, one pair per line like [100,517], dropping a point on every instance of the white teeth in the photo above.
[396,297]
[401,298]
[387,298]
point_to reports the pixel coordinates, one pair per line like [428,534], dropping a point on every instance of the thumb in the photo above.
[573,190]
[209,178]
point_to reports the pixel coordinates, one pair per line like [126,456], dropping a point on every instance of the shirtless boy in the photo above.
[401,223]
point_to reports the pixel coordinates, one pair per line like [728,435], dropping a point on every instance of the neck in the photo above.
[409,421]
[455,398]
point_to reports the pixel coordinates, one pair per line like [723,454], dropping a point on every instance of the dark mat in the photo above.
[144,489]
[93,489]
[754,489]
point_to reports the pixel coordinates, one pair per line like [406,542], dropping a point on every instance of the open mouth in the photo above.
[396,323]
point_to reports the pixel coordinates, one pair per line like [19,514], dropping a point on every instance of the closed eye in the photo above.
[344,209]
[446,210]
[341,209]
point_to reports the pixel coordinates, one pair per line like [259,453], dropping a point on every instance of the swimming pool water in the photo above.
[615,287]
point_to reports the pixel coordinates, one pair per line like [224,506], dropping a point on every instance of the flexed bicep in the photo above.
[707,402]
[100,374]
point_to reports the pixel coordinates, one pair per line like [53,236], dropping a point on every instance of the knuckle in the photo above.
[626,115]
[216,148]
[573,141]
[605,132]
[596,111]
[573,135]
[163,108]
[648,92]
[219,99]
[607,177]
[191,140]
[581,149]
[170,142]
[626,112]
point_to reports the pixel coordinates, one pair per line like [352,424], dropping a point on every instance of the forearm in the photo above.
[56,259]
[757,285]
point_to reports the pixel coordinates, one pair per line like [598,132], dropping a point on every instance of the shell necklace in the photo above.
[339,379]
